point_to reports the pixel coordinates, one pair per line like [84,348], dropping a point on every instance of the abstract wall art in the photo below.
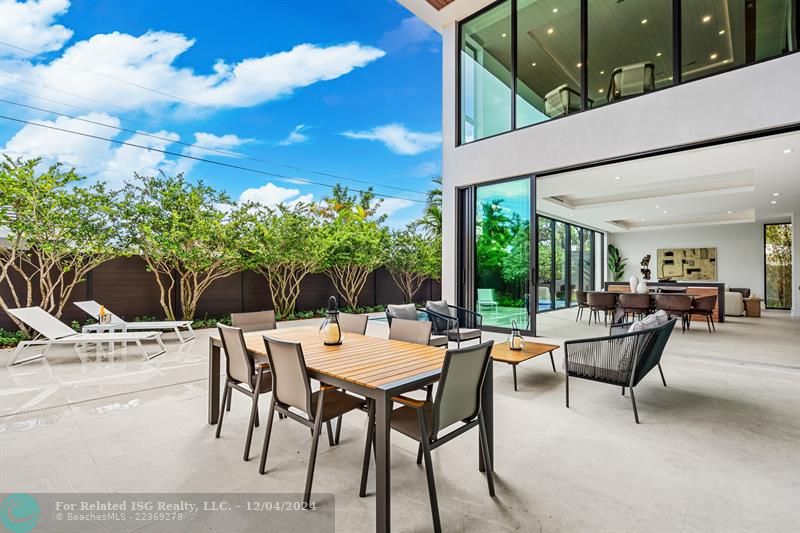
[687,263]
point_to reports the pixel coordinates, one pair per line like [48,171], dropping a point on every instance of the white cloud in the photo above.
[272,195]
[30,25]
[398,139]
[225,143]
[127,160]
[295,136]
[87,155]
[147,61]
[410,35]
[391,205]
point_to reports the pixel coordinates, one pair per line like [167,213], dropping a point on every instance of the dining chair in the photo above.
[254,321]
[244,375]
[583,303]
[637,305]
[679,305]
[291,389]
[704,306]
[351,323]
[457,401]
[416,331]
[601,301]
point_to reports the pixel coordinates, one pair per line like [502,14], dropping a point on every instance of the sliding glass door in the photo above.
[778,266]
[503,253]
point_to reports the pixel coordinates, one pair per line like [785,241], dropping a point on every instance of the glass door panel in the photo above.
[588,260]
[502,253]
[561,253]
[545,290]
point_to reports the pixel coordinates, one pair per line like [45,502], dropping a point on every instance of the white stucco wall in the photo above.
[748,99]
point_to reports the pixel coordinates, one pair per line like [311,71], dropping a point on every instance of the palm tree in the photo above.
[431,220]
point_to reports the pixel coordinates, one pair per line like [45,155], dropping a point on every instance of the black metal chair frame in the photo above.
[647,346]
[429,440]
[450,324]
[256,369]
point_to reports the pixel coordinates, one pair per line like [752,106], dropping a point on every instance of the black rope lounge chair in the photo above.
[621,358]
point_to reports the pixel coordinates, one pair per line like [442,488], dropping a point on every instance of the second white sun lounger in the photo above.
[92,308]
[52,331]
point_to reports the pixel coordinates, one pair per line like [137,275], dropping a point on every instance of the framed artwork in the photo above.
[687,263]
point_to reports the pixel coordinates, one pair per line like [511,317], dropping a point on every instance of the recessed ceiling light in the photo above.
[658,206]
[713,56]
[555,10]
[602,72]
[664,212]
[707,18]
[579,65]
[773,201]
[644,21]
[642,220]
[670,78]
[600,91]
[730,212]
[722,32]
[658,54]
[617,177]
[503,35]
[550,31]
[787,151]
[776,194]
[533,64]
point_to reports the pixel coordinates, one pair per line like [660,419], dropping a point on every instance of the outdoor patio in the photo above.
[716,450]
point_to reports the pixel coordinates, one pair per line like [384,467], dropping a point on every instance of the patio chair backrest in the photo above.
[404,311]
[290,384]
[459,392]
[238,363]
[653,352]
[416,331]
[92,308]
[438,314]
[486,295]
[43,322]
[601,299]
[353,323]
[254,321]
[705,303]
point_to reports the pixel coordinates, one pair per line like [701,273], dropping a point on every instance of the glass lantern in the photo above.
[329,332]
[515,341]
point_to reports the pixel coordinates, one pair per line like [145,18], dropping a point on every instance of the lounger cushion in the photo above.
[405,311]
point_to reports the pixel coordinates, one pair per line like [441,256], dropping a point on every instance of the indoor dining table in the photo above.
[376,368]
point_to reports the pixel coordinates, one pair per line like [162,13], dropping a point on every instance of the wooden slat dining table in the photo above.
[372,367]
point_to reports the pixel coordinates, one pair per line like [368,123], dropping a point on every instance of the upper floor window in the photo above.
[522,62]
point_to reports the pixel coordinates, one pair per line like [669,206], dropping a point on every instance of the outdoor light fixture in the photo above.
[515,341]
[329,332]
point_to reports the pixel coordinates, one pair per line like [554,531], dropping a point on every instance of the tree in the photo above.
[341,203]
[187,233]
[431,220]
[284,245]
[411,258]
[778,243]
[515,268]
[57,232]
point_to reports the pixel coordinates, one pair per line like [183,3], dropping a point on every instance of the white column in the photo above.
[796,263]
[449,222]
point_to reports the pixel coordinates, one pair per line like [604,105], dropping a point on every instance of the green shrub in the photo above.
[9,339]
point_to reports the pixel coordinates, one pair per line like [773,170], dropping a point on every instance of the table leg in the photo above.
[383,407]
[213,382]
[487,407]
[552,362]
[514,369]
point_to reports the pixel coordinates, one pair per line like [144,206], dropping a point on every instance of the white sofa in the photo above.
[734,303]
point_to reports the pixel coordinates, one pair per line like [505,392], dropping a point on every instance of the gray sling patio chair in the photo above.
[622,358]
[52,331]
[291,389]
[409,312]
[457,401]
[254,321]
[416,331]
[243,374]
[92,308]
[351,323]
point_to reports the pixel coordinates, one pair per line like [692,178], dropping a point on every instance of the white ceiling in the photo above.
[725,184]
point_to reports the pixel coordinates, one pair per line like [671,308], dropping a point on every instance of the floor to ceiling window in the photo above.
[548,59]
[486,80]
[630,49]
[566,262]
[502,252]
[778,266]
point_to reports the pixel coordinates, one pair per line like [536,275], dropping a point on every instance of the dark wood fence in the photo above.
[129,290]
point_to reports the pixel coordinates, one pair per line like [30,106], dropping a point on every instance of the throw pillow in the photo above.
[405,311]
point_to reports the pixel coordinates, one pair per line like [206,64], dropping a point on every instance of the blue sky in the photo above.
[351,88]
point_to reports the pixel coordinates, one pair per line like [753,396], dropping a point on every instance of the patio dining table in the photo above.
[376,368]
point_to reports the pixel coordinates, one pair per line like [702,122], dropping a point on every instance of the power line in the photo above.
[126,109]
[209,149]
[186,156]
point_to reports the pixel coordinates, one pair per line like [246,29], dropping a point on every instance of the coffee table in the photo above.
[501,353]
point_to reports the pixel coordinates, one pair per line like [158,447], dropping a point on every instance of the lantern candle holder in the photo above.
[330,333]
[515,340]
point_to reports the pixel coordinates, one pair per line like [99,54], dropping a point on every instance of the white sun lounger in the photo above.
[92,308]
[52,331]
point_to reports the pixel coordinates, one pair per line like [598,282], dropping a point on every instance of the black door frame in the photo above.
[792,266]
